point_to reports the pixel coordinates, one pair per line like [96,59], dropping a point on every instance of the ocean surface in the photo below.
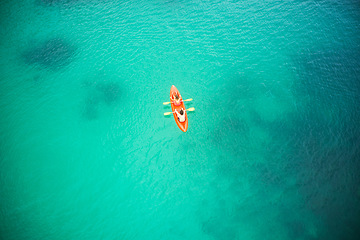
[272,150]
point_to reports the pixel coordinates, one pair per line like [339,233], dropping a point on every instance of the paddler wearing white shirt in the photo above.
[180,115]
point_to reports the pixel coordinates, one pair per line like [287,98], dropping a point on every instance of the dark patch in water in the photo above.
[53,54]
[296,229]
[324,138]
[230,134]
[233,133]
[218,228]
[110,92]
[91,111]
[57,2]
[100,93]
[318,145]
[328,175]
[330,75]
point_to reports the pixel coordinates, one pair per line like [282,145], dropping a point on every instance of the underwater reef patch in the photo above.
[329,75]
[109,91]
[57,2]
[98,94]
[90,110]
[52,54]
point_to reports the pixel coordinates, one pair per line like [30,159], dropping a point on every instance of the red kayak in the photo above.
[178,105]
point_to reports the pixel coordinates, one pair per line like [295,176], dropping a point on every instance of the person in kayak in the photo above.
[177,100]
[180,115]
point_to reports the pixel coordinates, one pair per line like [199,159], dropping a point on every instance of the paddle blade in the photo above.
[188,100]
[166,103]
[191,109]
[167,113]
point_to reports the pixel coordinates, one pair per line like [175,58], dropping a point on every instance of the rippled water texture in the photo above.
[272,150]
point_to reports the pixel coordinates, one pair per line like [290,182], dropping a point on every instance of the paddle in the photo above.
[189,109]
[186,100]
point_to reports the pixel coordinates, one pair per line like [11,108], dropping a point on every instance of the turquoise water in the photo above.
[272,150]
